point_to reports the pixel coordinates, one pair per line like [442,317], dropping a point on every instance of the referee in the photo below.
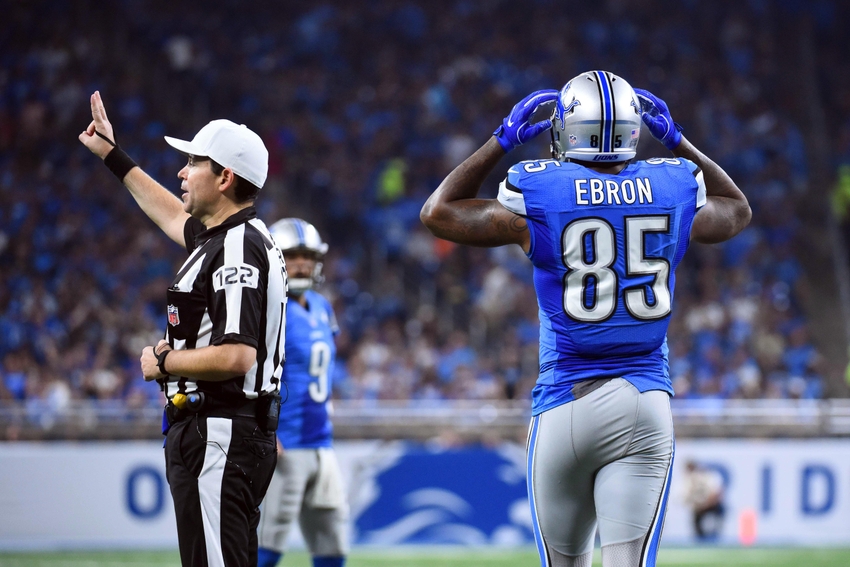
[220,363]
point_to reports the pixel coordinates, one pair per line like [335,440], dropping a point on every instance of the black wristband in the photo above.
[160,361]
[119,163]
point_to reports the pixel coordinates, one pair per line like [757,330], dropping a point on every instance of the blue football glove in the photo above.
[656,116]
[515,129]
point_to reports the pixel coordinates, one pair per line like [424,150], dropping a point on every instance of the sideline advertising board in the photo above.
[114,495]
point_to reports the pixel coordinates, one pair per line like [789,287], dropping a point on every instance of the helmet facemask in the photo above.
[296,235]
[298,286]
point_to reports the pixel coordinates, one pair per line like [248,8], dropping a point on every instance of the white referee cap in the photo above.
[230,145]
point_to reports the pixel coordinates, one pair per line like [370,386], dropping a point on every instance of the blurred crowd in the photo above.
[365,107]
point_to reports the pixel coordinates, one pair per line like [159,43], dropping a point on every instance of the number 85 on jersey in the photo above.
[594,277]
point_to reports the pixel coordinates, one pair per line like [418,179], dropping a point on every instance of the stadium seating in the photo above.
[365,106]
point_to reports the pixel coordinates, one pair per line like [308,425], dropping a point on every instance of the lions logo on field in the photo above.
[468,497]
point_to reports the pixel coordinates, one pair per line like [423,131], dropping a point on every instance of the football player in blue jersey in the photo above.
[604,235]
[307,484]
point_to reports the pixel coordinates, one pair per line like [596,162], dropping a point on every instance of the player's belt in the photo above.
[583,388]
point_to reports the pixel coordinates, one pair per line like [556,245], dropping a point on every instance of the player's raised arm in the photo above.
[726,211]
[454,213]
[156,201]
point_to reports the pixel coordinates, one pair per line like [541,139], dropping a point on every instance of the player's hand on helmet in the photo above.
[515,129]
[99,125]
[656,116]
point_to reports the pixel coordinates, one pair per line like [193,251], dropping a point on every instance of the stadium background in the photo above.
[365,107]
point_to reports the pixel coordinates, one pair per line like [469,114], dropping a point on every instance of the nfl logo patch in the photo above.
[573,139]
[173,316]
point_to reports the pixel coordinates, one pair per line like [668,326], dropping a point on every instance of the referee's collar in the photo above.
[236,219]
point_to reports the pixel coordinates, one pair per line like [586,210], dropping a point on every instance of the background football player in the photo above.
[307,484]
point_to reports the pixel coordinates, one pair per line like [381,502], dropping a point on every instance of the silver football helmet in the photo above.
[299,235]
[596,119]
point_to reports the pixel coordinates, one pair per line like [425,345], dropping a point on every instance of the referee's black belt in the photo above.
[213,406]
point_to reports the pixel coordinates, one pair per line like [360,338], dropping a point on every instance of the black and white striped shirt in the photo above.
[231,289]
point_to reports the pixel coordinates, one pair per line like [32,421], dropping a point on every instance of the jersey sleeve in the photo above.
[700,178]
[238,289]
[510,193]
[192,228]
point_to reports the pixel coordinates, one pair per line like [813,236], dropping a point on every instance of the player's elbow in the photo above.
[743,216]
[721,222]
[746,215]
[425,214]
[428,215]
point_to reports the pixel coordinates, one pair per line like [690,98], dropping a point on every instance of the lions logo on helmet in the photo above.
[568,108]
[598,113]
[292,235]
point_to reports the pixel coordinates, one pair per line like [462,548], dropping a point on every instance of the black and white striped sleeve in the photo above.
[192,228]
[238,289]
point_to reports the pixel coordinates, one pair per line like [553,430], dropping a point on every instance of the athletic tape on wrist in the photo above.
[119,163]
[160,361]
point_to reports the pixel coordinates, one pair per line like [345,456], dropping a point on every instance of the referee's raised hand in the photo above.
[98,137]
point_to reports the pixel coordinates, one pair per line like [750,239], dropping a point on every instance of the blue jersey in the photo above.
[604,250]
[310,355]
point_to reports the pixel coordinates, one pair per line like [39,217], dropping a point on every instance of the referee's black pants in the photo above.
[219,469]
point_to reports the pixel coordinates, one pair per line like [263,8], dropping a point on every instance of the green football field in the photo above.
[428,557]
